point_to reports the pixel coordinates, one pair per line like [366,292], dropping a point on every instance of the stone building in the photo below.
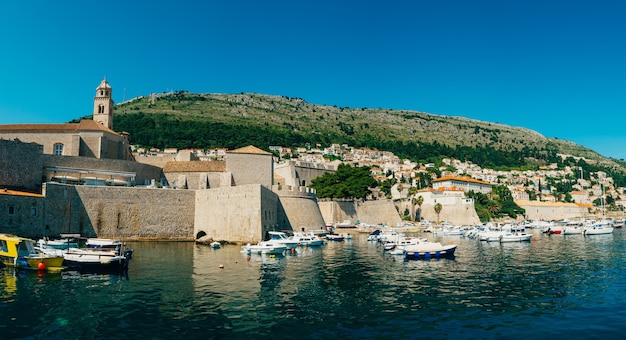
[465,183]
[87,138]
[548,211]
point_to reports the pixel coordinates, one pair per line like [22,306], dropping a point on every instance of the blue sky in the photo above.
[556,67]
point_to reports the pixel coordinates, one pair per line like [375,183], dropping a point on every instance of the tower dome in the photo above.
[103,104]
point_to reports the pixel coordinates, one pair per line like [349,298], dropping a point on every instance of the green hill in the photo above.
[186,120]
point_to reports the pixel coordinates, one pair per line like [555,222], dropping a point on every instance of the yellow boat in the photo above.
[20,252]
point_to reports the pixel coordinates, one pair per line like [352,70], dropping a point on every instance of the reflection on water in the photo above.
[554,286]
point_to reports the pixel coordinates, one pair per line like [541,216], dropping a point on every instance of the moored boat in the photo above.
[515,237]
[307,239]
[427,250]
[281,238]
[598,228]
[98,254]
[334,237]
[265,248]
[20,252]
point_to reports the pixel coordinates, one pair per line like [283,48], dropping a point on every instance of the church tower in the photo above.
[103,104]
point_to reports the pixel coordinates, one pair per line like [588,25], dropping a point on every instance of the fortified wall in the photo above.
[20,165]
[368,212]
[298,173]
[300,207]
[119,212]
[21,213]
[238,214]
[458,212]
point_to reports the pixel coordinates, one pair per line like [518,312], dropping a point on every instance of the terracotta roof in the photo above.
[194,166]
[460,179]
[250,149]
[544,203]
[18,193]
[84,125]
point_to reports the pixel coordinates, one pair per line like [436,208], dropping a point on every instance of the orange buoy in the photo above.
[41,266]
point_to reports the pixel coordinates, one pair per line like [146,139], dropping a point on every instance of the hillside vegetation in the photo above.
[183,120]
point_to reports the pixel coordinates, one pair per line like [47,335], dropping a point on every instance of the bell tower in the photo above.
[103,104]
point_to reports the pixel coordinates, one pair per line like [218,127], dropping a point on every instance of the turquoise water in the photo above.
[554,287]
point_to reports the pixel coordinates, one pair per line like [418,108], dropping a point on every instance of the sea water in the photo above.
[552,287]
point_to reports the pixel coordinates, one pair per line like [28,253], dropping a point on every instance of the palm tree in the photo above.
[413,203]
[419,202]
[438,208]
[412,192]
[493,208]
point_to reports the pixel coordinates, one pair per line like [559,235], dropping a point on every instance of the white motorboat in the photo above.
[281,238]
[307,239]
[515,237]
[265,248]
[598,228]
[57,244]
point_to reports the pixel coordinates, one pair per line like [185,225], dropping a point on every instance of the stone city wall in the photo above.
[368,212]
[20,165]
[300,208]
[460,213]
[236,214]
[119,212]
[21,214]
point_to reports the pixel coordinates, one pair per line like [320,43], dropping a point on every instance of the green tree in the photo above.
[347,182]
[438,208]
[420,201]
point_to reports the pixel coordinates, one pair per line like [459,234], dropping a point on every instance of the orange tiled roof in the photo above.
[460,179]
[250,149]
[83,125]
[18,193]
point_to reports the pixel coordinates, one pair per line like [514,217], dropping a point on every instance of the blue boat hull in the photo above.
[414,255]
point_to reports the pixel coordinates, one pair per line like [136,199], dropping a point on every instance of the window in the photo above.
[11,210]
[101,108]
[58,149]
[33,211]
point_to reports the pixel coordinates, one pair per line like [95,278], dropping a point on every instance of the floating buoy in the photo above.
[221,266]
[41,266]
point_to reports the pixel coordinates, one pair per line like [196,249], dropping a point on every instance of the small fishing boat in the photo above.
[20,252]
[428,250]
[334,237]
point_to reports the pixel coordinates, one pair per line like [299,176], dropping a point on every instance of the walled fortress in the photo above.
[243,211]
